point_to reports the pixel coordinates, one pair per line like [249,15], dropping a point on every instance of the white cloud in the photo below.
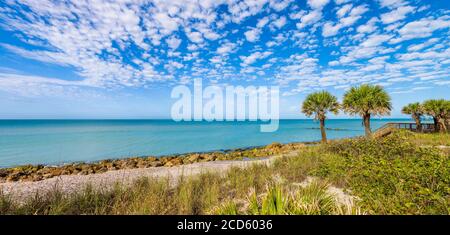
[333,63]
[280,22]
[173,42]
[368,27]
[418,47]
[195,37]
[310,18]
[104,35]
[421,29]
[354,15]
[313,16]
[367,49]
[173,65]
[252,35]
[168,24]
[262,22]
[95,42]
[37,86]
[211,35]
[344,10]
[376,40]
[226,48]
[339,2]
[391,3]
[279,5]
[317,4]
[348,16]
[396,15]
[329,29]
[252,58]
[425,55]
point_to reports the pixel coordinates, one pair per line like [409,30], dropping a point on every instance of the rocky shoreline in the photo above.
[42,172]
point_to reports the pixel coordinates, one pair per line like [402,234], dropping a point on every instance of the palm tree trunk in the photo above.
[322,130]
[443,127]
[366,118]
[418,123]
[436,124]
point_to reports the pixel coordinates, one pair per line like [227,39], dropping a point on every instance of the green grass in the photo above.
[393,175]
[427,139]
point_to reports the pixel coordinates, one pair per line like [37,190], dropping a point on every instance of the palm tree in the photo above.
[438,109]
[416,112]
[447,115]
[319,104]
[367,100]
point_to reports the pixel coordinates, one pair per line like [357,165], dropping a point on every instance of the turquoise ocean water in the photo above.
[63,141]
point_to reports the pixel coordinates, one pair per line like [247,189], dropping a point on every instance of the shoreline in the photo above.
[169,155]
[72,183]
[27,173]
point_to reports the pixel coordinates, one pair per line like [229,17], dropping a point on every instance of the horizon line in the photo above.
[169,119]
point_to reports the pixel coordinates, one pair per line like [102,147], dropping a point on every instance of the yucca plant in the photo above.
[313,200]
[319,104]
[367,100]
[228,208]
[275,202]
[416,112]
[253,206]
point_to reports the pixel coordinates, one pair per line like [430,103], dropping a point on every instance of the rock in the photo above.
[47,175]
[87,169]
[3,173]
[143,164]
[155,164]
[193,158]
[151,159]
[274,145]
[174,162]
[104,162]
[57,171]
[68,170]
[130,164]
[15,176]
[164,160]
[222,157]
[26,178]
[40,172]
[101,170]
[111,166]
[78,167]
[208,157]
[36,177]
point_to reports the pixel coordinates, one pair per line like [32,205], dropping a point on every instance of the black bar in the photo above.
[222,224]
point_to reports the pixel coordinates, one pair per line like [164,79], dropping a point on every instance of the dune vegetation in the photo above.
[403,173]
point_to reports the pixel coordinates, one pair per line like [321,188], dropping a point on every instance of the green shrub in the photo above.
[391,175]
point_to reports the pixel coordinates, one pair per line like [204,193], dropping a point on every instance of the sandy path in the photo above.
[73,183]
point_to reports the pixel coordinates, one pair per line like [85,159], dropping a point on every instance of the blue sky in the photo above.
[120,59]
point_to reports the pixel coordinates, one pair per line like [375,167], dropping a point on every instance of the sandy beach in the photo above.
[106,180]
